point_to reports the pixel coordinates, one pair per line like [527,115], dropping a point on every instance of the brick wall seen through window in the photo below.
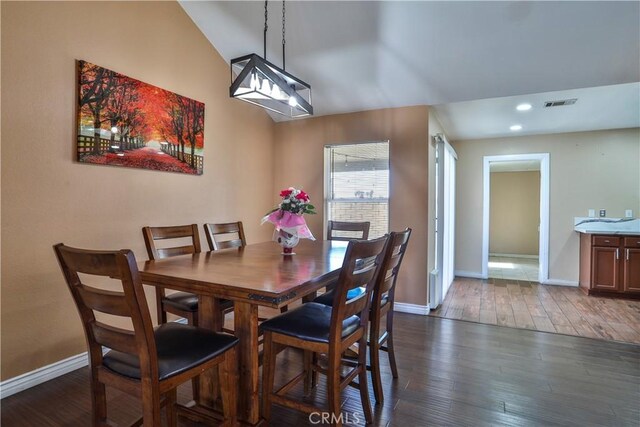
[357,180]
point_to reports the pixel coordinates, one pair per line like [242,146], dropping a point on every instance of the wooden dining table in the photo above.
[257,275]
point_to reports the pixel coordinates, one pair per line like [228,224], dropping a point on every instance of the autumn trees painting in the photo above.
[125,122]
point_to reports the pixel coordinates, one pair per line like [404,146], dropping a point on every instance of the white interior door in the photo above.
[449,196]
[445,219]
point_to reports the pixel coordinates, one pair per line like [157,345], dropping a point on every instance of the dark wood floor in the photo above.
[452,373]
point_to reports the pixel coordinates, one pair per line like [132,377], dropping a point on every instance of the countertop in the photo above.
[609,232]
[610,226]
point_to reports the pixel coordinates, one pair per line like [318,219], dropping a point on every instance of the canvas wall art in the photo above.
[125,122]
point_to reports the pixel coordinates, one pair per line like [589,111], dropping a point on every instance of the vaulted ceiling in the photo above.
[376,54]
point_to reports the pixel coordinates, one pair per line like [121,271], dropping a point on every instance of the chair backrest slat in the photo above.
[129,301]
[151,234]
[114,338]
[98,264]
[216,234]
[390,268]
[172,232]
[360,268]
[355,305]
[356,227]
[104,301]
[235,243]
[178,250]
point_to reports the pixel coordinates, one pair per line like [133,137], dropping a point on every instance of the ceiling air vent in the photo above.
[560,102]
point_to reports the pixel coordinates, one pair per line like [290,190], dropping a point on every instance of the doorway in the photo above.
[514,220]
[515,238]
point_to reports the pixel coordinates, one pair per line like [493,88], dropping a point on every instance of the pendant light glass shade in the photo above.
[259,82]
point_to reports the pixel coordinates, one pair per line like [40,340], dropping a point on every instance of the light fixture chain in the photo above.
[283,40]
[264,39]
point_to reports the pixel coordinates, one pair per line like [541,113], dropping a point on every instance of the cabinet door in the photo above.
[605,268]
[631,275]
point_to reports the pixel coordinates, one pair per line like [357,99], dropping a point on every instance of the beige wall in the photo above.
[514,213]
[47,197]
[298,155]
[587,170]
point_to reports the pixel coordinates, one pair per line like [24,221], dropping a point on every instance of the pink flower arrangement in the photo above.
[287,216]
[295,201]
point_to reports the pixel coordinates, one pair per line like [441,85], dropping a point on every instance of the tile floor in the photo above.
[503,267]
[516,303]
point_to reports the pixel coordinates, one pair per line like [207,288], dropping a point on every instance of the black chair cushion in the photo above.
[180,347]
[327,297]
[185,301]
[310,322]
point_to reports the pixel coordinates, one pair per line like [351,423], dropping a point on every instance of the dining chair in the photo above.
[142,361]
[381,306]
[353,227]
[319,329]
[218,235]
[183,304]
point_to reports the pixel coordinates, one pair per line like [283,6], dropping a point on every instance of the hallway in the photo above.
[504,267]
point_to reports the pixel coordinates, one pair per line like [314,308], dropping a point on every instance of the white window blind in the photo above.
[357,184]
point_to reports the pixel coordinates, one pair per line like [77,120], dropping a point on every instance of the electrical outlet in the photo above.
[603,213]
[628,213]
[592,213]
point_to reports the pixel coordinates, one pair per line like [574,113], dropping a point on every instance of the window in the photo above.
[357,184]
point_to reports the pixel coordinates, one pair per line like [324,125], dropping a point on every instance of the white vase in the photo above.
[288,241]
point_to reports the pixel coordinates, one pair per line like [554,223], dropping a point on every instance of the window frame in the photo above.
[327,183]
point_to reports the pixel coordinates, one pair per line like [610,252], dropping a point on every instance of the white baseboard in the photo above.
[30,379]
[38,376]
[559,282]
[404,307]
[515,255]
[471,274]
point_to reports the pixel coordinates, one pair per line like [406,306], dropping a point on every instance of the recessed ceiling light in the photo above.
[523,107]
[516,127]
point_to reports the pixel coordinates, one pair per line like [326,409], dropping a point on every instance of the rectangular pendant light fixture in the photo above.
[259,82]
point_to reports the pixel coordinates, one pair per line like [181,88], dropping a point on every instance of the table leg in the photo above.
[209,318]
[246,329]
[310,296]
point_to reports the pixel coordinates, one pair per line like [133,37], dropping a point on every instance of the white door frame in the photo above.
[543,273]
[443,146]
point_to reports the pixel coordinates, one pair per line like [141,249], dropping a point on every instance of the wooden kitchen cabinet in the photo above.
[610,264]
[606,268]
[631,270]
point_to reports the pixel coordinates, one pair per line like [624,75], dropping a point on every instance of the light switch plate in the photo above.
[592,213]
[603,213]
[628,213]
